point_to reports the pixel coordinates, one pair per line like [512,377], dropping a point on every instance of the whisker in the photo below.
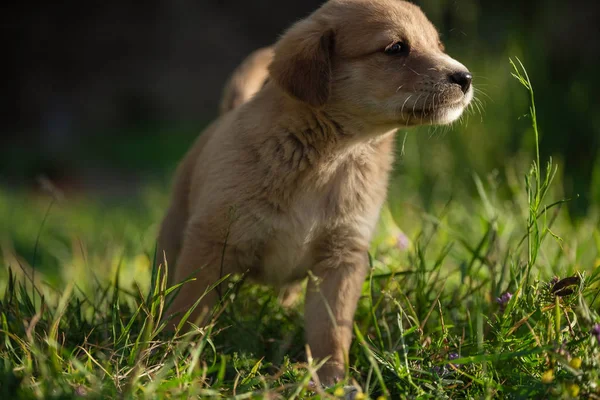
[493,85]
[432,108]
[417,72]
[476,75]
[415,105]
[424,107]
[448,129]
[482,108]
[480,102]
[433,129]
[475,109]
[470,108]
[475,104]
[403,104]
[483,93]
[479,108]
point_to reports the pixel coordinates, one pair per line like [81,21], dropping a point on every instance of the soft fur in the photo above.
[292,181]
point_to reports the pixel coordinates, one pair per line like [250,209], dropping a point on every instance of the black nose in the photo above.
[463,79]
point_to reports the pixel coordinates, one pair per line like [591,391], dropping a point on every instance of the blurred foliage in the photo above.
[558,42]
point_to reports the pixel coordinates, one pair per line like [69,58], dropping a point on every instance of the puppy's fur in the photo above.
[293,180]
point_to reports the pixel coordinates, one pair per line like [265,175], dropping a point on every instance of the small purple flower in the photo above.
[445,369]
[80,391]
[596,332]
[504,299]
[402,241]
[439,370]
[453,356]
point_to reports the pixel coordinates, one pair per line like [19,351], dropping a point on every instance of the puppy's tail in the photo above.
[247,79]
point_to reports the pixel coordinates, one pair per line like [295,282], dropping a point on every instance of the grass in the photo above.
[490,296]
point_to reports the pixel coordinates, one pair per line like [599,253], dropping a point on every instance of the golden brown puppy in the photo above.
[293,180]
[247,79]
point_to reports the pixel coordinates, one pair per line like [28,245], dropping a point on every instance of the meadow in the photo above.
[481,286]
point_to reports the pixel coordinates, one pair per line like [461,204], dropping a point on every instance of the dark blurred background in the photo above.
[101,95]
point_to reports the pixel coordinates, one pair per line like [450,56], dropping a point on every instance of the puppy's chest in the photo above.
[340,196]
[289,251]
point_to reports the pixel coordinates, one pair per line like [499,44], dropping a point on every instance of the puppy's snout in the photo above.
[463,79]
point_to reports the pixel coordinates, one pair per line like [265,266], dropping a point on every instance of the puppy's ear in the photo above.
[302,62]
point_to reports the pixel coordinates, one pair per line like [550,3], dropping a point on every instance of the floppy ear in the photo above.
[302,62]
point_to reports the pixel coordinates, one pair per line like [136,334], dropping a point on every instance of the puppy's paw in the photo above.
[347,392]
[290,294]
[351,392]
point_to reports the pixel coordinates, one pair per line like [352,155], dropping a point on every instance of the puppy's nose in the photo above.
[463,79]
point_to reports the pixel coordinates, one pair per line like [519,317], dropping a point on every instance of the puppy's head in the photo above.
[377,60]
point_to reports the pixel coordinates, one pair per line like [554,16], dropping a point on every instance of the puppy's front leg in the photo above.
[331,299]
[201,258]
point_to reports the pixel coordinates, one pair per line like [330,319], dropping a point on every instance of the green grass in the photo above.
[80,305]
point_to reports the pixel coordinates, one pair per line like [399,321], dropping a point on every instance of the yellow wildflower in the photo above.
[575,363]
[573,390]
[548,376]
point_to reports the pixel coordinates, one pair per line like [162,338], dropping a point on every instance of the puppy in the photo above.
[291,182]
[247,79]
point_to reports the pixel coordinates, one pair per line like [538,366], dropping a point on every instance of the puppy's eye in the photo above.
[397,48]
